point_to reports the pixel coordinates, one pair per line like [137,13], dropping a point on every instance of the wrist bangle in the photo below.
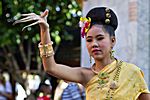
[46,49]
[41,45]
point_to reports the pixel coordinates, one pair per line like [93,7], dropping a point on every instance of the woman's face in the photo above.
[98,42]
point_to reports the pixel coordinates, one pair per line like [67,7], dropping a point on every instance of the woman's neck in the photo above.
[100,64]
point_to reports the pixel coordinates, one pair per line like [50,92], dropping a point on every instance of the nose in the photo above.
[94,44]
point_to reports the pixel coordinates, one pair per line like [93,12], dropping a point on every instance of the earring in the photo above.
[90,59]
[112,54]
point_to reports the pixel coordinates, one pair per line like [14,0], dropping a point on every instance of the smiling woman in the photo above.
[109,78]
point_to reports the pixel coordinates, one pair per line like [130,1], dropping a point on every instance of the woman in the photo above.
[109,78]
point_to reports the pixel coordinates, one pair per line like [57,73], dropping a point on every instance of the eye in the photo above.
[100,38]
[88,40]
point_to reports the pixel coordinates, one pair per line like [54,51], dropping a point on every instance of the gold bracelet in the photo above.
[46,50]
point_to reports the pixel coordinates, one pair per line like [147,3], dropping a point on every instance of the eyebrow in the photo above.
[96,36]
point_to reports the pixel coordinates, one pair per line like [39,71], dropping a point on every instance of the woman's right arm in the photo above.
[50,66]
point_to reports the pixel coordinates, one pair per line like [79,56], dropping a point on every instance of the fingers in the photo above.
[45,13]
[31,17]
[40,19]
[27,19]
[37,22]
[30,14]
[23,20]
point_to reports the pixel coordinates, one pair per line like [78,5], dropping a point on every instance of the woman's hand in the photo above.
[39,19]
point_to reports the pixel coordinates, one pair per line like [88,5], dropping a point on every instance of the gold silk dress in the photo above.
[116,81]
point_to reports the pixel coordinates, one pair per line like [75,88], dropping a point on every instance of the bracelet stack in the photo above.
[46,50]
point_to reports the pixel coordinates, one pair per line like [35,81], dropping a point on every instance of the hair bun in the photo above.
[104,16]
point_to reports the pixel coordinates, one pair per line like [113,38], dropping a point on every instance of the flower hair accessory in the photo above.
[85,25]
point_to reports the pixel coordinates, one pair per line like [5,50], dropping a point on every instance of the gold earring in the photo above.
[90,59]
[112,54]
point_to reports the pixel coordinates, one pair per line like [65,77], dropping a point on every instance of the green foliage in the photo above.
[0,8]
[62,13]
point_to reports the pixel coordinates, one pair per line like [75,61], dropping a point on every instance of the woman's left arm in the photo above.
[144,96]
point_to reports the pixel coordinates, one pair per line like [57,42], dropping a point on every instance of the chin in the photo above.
[99,57]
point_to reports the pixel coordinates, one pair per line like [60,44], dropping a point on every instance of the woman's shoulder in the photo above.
[130,67]
[87,74]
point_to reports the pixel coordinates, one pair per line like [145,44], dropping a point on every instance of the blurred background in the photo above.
[20,63]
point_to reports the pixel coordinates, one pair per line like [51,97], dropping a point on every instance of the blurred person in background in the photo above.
[44,92]
[5,89]
[59,89]
[73,91]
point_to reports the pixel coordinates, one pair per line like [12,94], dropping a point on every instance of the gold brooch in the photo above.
[108,15]
[103,79]
[107,21]
[113,85]
[107,10]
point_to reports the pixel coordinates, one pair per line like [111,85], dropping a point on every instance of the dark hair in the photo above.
[99,16]
[110,30]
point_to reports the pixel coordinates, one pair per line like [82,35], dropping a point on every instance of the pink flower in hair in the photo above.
[85,25]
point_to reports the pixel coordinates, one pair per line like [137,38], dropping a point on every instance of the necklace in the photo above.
[93,70]
[96,72]
[104,79]
[113,84]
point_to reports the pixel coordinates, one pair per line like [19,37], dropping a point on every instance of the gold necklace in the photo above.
[93,70]
[104,79]
[96,72]
[114,85]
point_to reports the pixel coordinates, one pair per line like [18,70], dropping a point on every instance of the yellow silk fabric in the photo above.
[130,84]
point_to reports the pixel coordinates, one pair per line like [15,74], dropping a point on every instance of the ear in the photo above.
[113,41]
